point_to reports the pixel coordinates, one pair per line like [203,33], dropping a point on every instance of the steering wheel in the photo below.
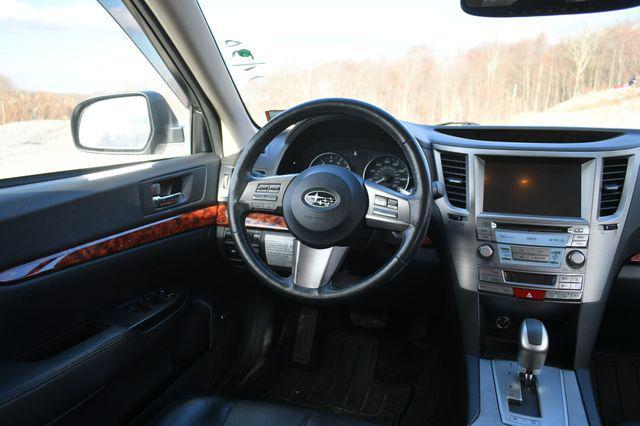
[329,209]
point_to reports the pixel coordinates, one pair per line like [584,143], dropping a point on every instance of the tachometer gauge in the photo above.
[388,171]
[331,159]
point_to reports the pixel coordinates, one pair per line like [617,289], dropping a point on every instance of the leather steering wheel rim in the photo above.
[420,202]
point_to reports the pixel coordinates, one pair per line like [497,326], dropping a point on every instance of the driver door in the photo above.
[107,198]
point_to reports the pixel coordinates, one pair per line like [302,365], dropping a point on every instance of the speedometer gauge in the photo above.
[331,159]
[388,171]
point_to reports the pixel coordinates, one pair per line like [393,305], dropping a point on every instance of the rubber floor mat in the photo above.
[345,383]
[616,380]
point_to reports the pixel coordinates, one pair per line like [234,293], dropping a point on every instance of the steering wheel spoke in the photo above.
[265,194]
[388,209]
[313,268]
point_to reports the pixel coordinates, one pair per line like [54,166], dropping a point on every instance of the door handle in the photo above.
[166,200]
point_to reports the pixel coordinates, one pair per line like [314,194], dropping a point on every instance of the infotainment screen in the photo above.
[532,185]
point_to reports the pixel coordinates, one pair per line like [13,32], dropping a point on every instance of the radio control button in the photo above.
[576,286]
[578,230]
[565,279]
[485,251]
[580,238]
[576,259]
[493,288]
[484,234]
[490,278]
[490,271]
[576,278]
[564,286]
[575,295]
[505,252]
[556,256]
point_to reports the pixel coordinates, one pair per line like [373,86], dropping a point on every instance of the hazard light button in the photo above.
[525,293]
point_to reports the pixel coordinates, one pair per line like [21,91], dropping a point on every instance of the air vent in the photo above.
[614,170]
[454,170]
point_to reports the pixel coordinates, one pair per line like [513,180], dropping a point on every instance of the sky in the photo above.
[69,46]
[74,46]
[293,33]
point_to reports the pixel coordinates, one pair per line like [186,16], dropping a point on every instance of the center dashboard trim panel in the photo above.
[603,243]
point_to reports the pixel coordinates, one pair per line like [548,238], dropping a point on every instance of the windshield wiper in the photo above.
[458,123]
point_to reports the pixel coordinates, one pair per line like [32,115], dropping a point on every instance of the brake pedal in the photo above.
[305,333]
[370,320]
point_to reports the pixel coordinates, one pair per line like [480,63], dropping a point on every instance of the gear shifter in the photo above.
[532,349]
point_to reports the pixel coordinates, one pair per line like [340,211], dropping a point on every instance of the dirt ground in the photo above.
[44,146]
[614,108]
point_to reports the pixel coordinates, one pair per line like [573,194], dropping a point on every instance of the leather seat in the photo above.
[215,411]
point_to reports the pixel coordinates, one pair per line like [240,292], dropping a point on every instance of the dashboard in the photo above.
[533,222]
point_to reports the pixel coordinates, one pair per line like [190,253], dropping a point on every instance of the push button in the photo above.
[525,293]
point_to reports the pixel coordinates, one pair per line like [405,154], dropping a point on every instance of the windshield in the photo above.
[427,61]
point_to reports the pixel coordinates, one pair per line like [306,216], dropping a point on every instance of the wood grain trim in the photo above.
[254,220]
[111,244]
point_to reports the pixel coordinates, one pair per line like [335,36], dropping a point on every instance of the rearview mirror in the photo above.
[514,8]
[124,123]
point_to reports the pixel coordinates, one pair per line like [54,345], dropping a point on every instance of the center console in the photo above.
[532,233]
[538,258]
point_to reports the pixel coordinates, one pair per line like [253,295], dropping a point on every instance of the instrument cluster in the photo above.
[387,170]
[356,145]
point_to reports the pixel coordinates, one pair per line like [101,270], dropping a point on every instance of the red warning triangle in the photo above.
[529,295]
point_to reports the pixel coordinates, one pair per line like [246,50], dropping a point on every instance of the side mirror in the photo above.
[134,123]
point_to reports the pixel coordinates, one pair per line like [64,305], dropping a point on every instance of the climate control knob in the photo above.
[576,259]
[485,251]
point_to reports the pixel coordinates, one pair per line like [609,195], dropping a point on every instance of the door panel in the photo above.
[90,309]
[41,219]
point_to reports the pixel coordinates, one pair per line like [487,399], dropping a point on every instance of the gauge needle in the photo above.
[380,180]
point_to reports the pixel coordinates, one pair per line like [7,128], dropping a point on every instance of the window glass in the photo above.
[427,61]
[56,54]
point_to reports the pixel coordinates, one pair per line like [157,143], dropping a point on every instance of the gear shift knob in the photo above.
[532,347]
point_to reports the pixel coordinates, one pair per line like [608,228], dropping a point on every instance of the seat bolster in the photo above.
[215,411]
[196,411]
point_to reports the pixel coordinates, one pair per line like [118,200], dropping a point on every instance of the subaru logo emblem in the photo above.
[320,199]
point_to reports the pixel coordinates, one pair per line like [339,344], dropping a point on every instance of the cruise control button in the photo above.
[385,212]
[525,293]
[380,201]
